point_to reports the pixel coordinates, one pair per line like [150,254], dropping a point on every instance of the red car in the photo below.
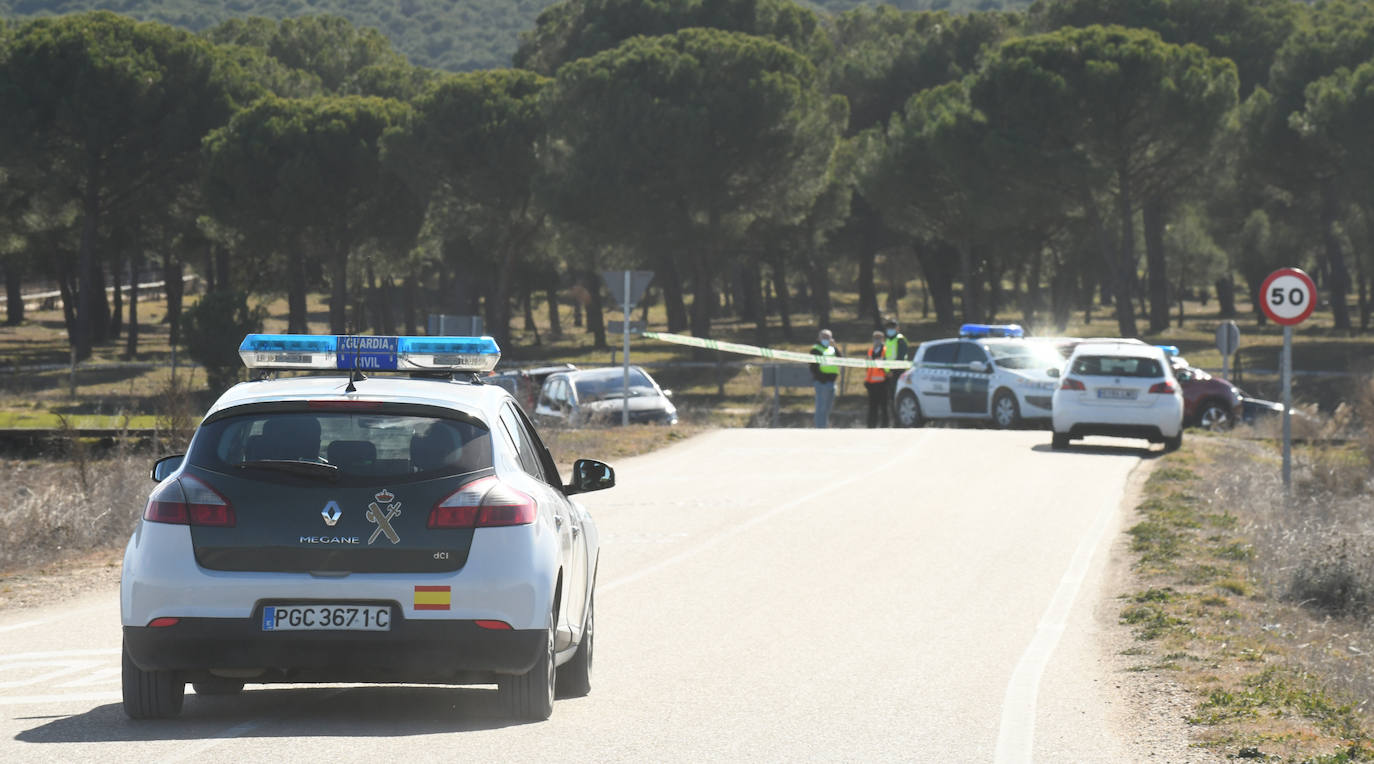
[1208,401]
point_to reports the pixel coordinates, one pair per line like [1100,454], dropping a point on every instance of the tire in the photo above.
[1006,413]
[1174,443]
[150,694]
[907,410]
[1059,441]
[575,676]
[529,696]
[218,686]
[1215,415]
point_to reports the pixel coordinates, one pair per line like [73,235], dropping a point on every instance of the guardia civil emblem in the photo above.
[381,512]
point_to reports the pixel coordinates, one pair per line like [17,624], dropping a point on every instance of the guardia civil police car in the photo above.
[355,528]
[990,372]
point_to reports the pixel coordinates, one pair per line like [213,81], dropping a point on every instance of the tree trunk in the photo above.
[1153,213]
[939,278]
[296,318]
[66,286]
[1031,303]
[971,287]
[819,278]
[673,301]
[753,292]
[551,295]
[220,255]
[175,290]
[338,291]
[527,304]
[131,339]
[411,291]
[83,329]
[116,324]
[596,320]
[1226,296]
[703,294]
[14,294]
[1338,285]
[779,268]
[868,290]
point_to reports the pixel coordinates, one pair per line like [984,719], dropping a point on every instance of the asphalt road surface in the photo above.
[913,595]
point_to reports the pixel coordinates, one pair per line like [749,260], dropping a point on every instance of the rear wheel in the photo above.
[1006,414]
[1059,441]
[575,676]
[218,686]
[908,410]
[1214,415]
[529,696]
[151,694]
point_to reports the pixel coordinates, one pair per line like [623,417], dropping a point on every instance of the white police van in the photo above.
[989,372]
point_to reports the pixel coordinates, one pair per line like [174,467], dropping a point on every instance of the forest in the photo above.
[1079,153]
[455,35]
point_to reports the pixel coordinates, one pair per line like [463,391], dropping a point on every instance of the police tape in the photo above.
[771,354]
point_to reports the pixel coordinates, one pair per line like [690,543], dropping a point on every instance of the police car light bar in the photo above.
[1169,350]
[368,353]
[991,330]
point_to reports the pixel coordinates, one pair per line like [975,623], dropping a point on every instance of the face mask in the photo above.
[825,343]
[892,332]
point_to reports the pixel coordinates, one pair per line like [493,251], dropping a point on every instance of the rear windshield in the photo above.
[597,387]
[368,445]
[1116,366]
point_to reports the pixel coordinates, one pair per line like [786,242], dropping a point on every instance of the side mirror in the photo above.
[590,475]
[1053,373]
[667,393]
[166,466]
[977,366]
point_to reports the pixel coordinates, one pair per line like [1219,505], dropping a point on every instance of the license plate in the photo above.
[1116,394]
[331,617]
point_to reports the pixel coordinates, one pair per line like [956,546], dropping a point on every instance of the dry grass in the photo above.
[1261,600]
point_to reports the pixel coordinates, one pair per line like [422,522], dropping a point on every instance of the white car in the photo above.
[1119,389]
[991,372]
[351,528]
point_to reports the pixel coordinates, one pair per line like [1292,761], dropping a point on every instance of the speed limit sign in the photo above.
[1288,296]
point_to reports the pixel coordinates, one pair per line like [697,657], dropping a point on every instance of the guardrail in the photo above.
[49,300]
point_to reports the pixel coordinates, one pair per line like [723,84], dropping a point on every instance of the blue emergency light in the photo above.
[1169,350]
[356,352]
[974,331]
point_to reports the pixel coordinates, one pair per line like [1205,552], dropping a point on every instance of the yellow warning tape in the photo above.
[774,355]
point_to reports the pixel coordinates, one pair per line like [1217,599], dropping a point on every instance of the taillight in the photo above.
[188,501]
[1070,383]
[1163,387]
[483,503]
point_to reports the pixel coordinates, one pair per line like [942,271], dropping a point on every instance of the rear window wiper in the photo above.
[295,467]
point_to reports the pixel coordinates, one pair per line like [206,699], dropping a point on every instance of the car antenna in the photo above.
[355,376]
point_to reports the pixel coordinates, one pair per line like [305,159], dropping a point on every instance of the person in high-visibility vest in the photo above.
[824,375]
[895,347]
[875,383]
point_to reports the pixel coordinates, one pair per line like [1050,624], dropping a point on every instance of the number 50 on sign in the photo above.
[1288,296]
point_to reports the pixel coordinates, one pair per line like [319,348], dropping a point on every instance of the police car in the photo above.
[354,528]
[990,372]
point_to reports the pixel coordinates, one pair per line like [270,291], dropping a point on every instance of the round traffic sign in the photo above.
[1288,296]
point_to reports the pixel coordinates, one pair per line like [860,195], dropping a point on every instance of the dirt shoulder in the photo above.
[61,580]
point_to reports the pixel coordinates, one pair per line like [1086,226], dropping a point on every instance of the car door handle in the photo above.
[558,521]
[577,530]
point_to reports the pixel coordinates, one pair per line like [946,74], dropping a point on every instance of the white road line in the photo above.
[1016,736]
[23,625]
[59,654]
[736,530]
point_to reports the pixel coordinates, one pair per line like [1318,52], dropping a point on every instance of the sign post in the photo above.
[626,287]
[1288,296]
[1228,342]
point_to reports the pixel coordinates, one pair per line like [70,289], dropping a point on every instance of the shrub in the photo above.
[212,330]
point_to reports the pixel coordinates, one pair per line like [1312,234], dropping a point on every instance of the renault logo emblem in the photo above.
[331,513]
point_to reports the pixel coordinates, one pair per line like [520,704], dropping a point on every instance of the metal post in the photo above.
[625,313]
[1225,366]
[777,402]
[1287,373]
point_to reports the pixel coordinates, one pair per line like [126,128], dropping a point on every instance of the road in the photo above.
[915,595]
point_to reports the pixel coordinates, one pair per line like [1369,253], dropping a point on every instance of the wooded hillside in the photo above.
[457,35]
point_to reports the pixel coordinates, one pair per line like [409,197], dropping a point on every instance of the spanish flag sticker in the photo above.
[432,597]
